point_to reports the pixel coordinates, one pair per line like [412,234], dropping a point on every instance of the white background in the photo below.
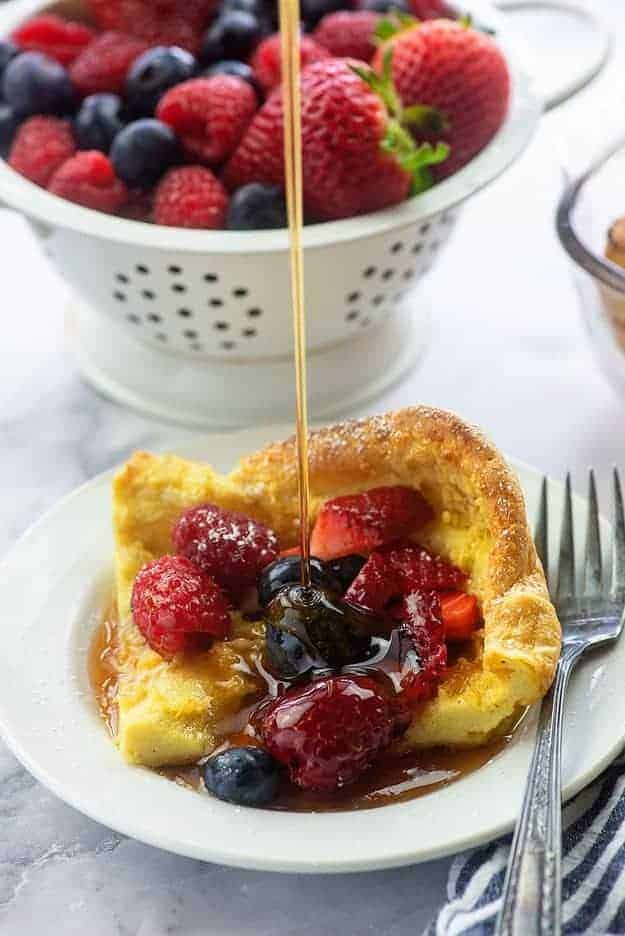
[508,352]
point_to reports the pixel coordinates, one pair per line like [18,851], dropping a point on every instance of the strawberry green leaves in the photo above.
[414,158]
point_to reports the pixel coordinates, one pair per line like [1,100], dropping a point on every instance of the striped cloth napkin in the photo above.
[593,882]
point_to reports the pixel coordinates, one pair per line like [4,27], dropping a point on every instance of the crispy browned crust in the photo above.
[480,523]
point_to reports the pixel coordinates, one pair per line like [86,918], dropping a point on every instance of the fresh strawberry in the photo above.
[158,22]
[330,731]
[209,115]
[88,178]
[266,60]
[461,73]
[461,615]
[40,146]
[105,62]
[424,663]
[173,603]
[55,37]
[349,33]
[397,570]
[430,9]
[359,523]
[231,547]
[357,156]
[190,197]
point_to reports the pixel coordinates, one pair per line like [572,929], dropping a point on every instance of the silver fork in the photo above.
[532,893]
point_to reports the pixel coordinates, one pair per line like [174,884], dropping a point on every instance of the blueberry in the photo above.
[9,122]
[314,10]
[346,569]
[152,74]
[36,84]
[98,121]
[386,6]
[238,69]
[142,151]
[232,35]
[247,776]
[331,633]
[257,206]
[8,51]
[286,571]
[265,12]
[286,654]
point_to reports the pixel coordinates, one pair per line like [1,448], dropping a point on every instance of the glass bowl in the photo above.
[588,208]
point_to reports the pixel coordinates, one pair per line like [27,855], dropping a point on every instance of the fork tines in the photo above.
[593,579]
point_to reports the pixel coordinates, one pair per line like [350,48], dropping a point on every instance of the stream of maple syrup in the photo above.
[291,104]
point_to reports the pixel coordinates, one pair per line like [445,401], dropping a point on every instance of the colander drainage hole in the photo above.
[133,317]
[388,274]
[179,287]
[377,300]
[352,315]
[189,333]
[254,313]
[417,248]
[370,271]
[408,274]
[148,294]
[210,278]
[196,346]
[174,269]
[216,303]
[249,332]
[396,248]
[142,268]
[222,326]
[424,228]
[185,313]
[161,336]
[240,292]
[119,295]
[154,317]
[121,278]
[228,345]
[353,297]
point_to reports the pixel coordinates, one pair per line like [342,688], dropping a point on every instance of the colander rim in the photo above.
[514,135]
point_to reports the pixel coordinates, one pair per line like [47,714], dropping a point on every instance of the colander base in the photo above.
[234,394]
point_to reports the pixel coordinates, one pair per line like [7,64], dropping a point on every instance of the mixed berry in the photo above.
[346,662]
[182,103]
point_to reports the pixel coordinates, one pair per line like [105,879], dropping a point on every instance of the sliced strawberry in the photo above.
[397,570]
[359,523]
[426,660]
[461,615]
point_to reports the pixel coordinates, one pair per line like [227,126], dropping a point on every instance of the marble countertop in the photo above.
[508,352]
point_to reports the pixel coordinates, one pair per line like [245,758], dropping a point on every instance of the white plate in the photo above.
[52,588]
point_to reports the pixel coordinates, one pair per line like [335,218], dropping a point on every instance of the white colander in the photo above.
[164,314]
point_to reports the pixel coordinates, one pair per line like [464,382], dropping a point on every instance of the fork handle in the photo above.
[532,898]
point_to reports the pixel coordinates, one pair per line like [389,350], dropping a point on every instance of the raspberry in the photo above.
[190,197]
[104,64]
[398,569]
[40,146]
[173,602]
[159,22]
[88,178]
[425,661]
[330,731]
[58,38]
[209,115]
[266,59]
[229,546]
[348,34]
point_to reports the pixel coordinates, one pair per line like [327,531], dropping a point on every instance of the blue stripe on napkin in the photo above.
[593,880]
